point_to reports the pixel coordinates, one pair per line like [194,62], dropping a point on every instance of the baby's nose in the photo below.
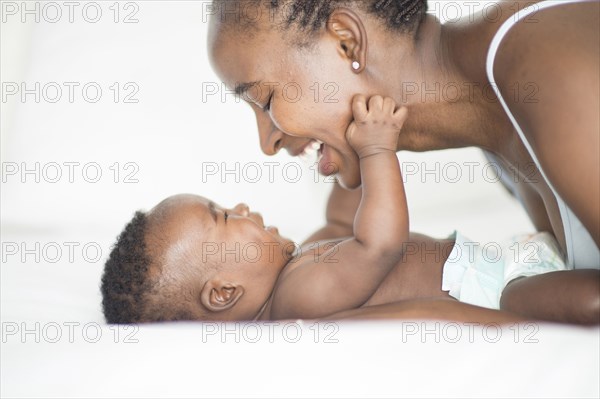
[242,209]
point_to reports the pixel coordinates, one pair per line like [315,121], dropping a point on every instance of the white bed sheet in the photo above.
[364,359]
[42,303]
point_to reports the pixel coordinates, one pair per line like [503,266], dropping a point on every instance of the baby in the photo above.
[191,259]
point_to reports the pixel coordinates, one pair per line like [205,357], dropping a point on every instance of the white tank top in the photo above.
[582,251]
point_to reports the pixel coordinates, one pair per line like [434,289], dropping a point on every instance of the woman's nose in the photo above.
[270,136]
[242,209]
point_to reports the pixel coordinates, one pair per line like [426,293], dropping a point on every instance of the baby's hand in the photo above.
[375,129]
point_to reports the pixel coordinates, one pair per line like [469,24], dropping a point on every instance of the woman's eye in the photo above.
[267,107]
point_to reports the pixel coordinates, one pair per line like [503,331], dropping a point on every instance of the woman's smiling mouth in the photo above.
[311,152]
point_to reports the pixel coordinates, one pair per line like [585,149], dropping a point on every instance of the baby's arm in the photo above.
[346,276]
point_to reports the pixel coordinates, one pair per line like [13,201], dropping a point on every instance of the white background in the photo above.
[174,131]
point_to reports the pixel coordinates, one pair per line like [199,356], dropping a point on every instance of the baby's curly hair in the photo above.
[125,282]
[131,290]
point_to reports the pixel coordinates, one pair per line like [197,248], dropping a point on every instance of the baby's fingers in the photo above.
[350,131]
[399,117]
[389,105]
[401,114]
[376,103]
[359,107]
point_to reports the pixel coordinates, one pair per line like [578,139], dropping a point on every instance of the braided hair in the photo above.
[311,15]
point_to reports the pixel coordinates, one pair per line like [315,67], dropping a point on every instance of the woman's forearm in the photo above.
[571,296]
[429,309]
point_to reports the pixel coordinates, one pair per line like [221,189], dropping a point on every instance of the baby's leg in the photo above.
[565,296]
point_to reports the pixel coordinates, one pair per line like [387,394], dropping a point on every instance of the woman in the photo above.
[521,84]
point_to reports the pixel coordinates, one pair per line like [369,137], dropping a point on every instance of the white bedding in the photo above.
[55,344]
[374,359]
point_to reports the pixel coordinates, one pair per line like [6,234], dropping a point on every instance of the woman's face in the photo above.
[301,97]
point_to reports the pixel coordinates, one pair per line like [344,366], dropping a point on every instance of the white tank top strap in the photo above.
[582,251]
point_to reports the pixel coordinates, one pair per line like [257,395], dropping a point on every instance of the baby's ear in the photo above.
[217,296]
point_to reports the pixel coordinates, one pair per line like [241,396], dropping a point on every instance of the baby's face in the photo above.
[208,244]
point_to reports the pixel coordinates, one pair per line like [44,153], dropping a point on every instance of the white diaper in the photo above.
[477,274]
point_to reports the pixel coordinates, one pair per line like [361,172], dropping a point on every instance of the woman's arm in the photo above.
[341,209]
[432,309]
[571,296]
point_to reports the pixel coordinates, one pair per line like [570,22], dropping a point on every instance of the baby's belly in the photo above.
[418,274]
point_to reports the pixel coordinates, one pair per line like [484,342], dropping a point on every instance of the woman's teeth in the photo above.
[311,153]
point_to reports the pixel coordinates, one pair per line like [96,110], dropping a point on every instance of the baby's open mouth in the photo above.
[258,219]
[272,229]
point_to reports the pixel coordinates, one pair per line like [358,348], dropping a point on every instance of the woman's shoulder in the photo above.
[561,39]
[564,34]
[547,63]
[546,69]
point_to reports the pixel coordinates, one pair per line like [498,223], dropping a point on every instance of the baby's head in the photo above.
[190,259]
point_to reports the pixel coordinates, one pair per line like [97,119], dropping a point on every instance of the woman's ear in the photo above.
[349,32]
[217,296]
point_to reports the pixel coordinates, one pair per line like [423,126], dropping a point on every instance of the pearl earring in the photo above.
[356,65]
